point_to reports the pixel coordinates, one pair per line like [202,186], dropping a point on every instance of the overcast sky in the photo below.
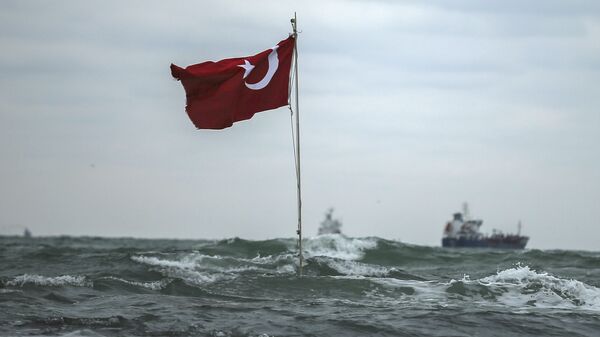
[408,109]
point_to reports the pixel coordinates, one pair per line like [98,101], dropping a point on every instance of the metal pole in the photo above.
[299,231]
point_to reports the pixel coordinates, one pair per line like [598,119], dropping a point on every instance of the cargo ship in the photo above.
[463,231]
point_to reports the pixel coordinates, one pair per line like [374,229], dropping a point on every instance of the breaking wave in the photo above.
[56,281]
[338,246]
[522,286]
[154,285]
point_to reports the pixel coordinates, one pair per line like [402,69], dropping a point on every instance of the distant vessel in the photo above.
[27,233]
[330,225]
[463,231]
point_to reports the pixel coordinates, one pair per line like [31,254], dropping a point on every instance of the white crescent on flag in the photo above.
[273,65]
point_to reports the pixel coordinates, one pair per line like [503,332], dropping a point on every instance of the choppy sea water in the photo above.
[66,286]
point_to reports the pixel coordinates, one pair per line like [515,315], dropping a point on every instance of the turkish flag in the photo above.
[231,90]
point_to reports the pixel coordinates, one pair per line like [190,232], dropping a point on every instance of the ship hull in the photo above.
[500,243]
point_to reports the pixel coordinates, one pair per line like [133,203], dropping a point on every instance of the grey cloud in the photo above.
[408,109]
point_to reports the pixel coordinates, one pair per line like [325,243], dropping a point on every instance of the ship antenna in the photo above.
[466,214]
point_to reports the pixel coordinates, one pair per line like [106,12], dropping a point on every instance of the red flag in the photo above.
[231,90]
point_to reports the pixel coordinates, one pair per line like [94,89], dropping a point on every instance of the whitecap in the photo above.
[154,285]
[56,281]
[202,268]
[348,267]
[527,287]
[338,246]
[154,261]
[82,333]
[185,268]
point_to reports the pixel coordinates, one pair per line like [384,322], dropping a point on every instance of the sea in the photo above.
[90,286]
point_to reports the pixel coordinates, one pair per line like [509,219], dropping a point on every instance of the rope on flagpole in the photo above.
[293,140]
[292,77]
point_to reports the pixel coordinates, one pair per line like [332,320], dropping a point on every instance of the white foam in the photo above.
[338,246]
[188,268]
[348,267]
[270,259]
[155,285]
[428,294]
[200,268]
[210,268]
[239,264]
[553,292]
[518,275]
[154,261]
[56,281]
[286,269]
[338,251]
[519,288]
[82,333]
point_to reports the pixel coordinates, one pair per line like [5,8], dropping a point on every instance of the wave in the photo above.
[371,250]
[338,246]
[381,268]
[522,287]
[527,287]
[324,255]
[82,333]
[56,281]
[84,287]
[202,269]
[331,245]
[186,263]
[154,285]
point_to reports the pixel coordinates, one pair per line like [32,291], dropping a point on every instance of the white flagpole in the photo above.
[299,230]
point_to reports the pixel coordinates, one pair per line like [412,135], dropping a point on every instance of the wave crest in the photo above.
[338,246]
[528,287]
[56,281]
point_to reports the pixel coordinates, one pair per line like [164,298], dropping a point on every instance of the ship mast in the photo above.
[466,215]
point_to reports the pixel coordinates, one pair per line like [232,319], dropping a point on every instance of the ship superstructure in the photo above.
[463,231]
[330,225]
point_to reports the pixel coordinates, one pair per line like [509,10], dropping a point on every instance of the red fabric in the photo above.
[217,94]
